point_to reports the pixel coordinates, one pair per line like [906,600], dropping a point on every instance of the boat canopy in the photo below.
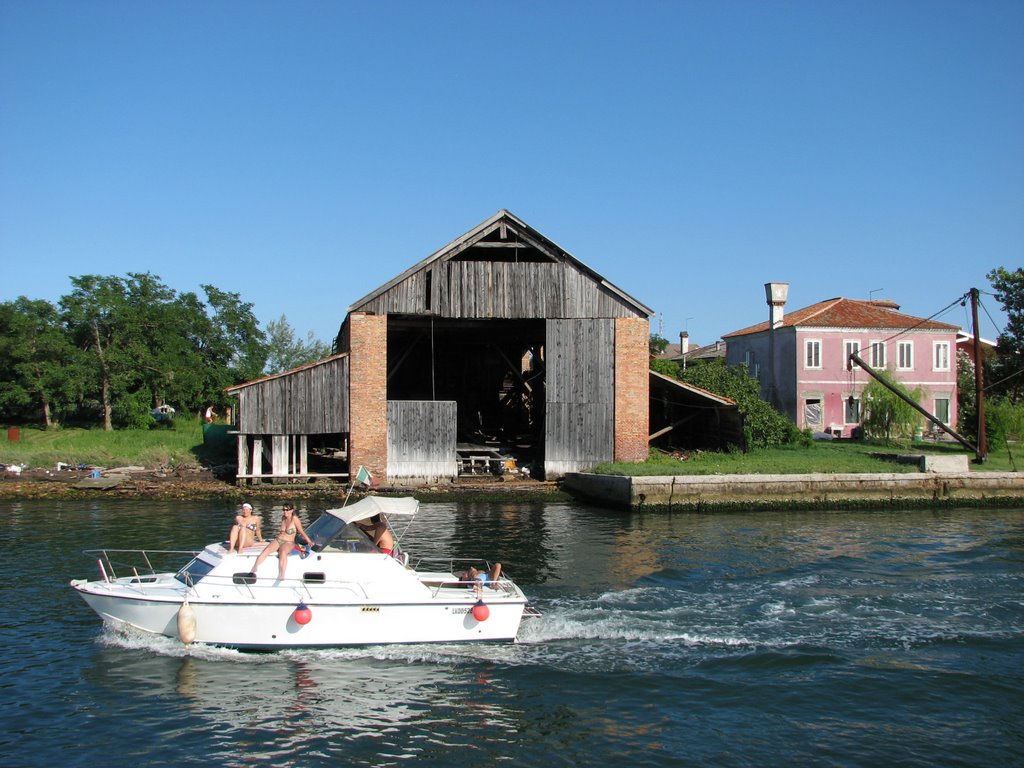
[369,506]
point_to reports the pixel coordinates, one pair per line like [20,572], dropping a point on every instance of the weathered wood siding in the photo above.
[504,290]
[421,440]
[580,404]
[309,401]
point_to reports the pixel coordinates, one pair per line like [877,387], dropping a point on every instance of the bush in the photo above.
[887,416]
[132,411]
[764,426]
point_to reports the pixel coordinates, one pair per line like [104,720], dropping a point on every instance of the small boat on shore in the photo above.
[345,591]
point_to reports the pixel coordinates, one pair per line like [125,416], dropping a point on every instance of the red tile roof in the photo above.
[849,313]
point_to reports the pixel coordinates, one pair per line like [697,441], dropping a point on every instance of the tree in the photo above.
[38,365]
[1004,424]
[766,426]
[665,367]
[237,347]
[886,414]
[285,352]
[151,346]
[1005,376]
[657,344]
[95,316]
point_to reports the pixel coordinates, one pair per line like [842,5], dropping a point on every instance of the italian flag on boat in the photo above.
[364,476]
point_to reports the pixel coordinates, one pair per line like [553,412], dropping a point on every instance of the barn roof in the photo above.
[507,237]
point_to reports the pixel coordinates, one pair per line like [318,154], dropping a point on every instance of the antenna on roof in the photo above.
[871,294]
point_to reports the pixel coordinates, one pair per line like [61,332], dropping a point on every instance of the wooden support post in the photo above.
[257,460]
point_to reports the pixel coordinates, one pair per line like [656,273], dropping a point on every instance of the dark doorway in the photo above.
[492,369]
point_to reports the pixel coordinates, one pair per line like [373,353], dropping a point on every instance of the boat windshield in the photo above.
[193,572]
[329,531]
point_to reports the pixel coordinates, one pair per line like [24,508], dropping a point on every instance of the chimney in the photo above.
[684,342]
[775,294]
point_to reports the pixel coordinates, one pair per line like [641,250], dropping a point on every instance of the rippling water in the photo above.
[885,638]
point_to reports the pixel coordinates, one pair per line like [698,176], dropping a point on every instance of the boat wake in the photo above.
[641,627]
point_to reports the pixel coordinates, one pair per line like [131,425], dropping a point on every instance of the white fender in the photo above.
[186,623]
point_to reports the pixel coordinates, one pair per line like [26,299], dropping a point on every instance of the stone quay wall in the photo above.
[709,492]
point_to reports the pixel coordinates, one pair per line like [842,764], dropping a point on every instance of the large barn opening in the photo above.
[492,369]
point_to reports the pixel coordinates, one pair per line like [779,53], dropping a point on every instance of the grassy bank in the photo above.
[154,448]
[825,456]
[169,448]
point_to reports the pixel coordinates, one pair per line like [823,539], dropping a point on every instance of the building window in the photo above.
[852,348]
[878,354]
[905,356]
[851,410]
[812,353]
[941,356]
[942,409]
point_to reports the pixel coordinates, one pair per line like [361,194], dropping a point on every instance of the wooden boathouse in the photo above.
[498,352]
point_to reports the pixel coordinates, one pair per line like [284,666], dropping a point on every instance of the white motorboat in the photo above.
[344,592]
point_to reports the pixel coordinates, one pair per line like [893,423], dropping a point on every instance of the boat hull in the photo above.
[261,625]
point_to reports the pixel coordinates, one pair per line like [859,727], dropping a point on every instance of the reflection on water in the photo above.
[847,638]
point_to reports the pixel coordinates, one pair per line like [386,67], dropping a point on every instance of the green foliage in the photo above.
[657,344]
[132,411]
[966,398]
[1004,424]
[119,346]
[886,415]
[39,366]
[285,351]
[766,426]
[665,367]
[236,345]
[1006,376]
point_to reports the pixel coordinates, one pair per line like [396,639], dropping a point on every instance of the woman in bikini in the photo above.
[377,529]
[246,530]
[290,527]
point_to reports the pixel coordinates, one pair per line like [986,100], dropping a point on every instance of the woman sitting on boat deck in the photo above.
[290,527]
[246,530]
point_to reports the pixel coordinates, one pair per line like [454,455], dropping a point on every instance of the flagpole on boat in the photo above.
[363,475]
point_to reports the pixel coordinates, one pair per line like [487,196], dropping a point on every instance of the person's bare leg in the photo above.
[265,554]
[282,556]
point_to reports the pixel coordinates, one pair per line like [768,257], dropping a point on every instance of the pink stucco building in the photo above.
[800,358]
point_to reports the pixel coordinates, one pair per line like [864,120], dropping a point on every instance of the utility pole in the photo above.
[979,388]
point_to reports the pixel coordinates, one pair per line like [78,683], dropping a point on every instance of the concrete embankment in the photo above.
[727,492]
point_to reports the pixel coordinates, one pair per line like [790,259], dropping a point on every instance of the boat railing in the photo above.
[455,565]
[140,562]
[451,563]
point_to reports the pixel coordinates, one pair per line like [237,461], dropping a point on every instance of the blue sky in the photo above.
[304,153]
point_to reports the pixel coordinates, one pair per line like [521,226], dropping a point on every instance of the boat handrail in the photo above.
[452,561]
[502,585]
[142,558]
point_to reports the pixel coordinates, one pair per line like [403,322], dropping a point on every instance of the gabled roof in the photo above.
[707,352]
[849,313]
[504,222]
